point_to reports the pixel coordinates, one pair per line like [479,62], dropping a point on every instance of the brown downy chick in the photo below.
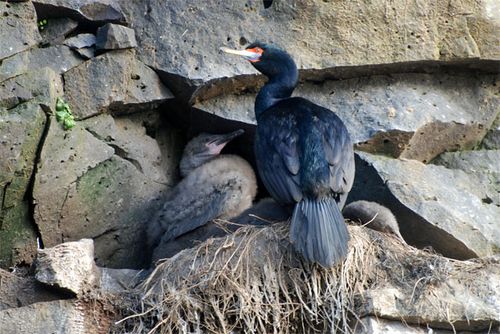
[214,186]
[374,215]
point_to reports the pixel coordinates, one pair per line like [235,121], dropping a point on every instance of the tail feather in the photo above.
[318,231]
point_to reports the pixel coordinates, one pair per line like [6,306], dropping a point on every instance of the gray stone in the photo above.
[114,81]
[445,294]
[68,266]
[57,29]
[65,157]
[86,53]
[95,11]
[114,36]
[435,206]
[483,164]
[17,291]
[416,116]
[18,28]
[492,139]
[376,325]
[128,137]
[330,43]
[80,41]
[59,58]
[88,186]
[58,317]
[42,86]
[21,129]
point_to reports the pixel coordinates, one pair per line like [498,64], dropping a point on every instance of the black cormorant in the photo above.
[214,186]
[304,156]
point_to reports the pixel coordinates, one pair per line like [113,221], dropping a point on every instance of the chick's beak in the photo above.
[252,55]
[216,145]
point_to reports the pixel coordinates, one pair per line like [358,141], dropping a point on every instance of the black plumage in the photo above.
[304,156]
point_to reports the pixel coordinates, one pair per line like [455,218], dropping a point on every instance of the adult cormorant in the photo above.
[304,156]
[214,186]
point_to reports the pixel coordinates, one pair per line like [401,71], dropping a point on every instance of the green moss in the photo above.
[17,236]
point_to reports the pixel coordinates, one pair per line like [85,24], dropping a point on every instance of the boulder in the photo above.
[59,58]
[345,39]
[57,29]
[80,41]
[101,183]
[114,37]
[18,28]
[69,266]
[87,11]
[483,164]
[18,291]
[21,128]
[435,206]
[113,82]
[375,325]
[58,316]
[416,116]
[42,86]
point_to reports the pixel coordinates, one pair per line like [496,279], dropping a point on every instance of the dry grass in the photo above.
[252,281]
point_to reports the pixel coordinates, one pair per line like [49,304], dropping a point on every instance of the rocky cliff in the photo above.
[416,83]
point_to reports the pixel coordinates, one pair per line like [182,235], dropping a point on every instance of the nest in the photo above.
[253,281]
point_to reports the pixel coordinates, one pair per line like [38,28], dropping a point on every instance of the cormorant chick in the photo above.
[214,186]
[374,216]
[304,156]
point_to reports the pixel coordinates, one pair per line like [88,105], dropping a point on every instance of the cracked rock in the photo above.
[114,37]
[21,129]
[57,29]
[435,206]
[113,82]
[59,58]
[18,28]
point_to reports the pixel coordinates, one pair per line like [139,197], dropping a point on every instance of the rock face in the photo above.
[332,35]
[59,58]
[96,12]
[21,129]
[415,116]
[18,28]
[435,206]
[114,37]
[114,81]
[99,183]
[59,316]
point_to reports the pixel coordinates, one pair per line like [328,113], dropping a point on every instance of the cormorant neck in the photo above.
[278,87]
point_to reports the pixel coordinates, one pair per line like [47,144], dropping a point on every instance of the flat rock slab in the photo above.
[87,11]
[416,116]
[18,28]
[59,316]
[332,34]
[42,86]
[375,325]
[113,82]
[114,36]
[59,58]
[483,164]
[69,266]
[435,206]
[86,187]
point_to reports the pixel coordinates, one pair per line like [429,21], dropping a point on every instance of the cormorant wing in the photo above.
[189,209]
[338,151]
[280,168]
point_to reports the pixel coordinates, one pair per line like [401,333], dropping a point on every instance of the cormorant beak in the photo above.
[253,55]
[216,145]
